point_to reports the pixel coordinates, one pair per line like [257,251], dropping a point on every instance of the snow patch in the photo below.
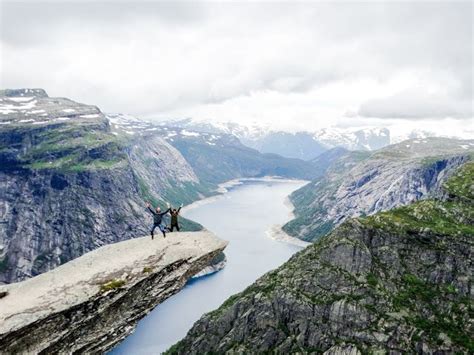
[21,99]
[93,115]
[190,134]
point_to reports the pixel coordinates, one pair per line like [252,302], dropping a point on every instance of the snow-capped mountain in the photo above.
[302,145]
[354,139]
[250,132]
[130,125]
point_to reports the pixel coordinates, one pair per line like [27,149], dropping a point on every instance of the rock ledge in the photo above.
[94,301]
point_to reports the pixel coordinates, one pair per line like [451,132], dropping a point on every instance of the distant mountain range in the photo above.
[301,145]
[305,145]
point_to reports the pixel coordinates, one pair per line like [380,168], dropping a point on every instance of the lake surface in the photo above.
[244,216]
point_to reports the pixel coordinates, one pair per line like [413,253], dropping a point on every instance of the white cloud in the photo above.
[295,65]
[417,104]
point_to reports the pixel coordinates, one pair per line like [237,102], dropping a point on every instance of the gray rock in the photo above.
[380,284]
[360,184]
[94,301]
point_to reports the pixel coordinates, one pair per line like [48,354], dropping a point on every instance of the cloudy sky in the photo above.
[302,65]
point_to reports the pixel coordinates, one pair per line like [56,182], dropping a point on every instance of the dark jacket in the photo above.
[174,216]
[158,217]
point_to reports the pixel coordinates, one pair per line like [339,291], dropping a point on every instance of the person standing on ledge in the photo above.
[174,218]
[158,219]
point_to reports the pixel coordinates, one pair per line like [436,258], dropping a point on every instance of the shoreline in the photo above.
[274,232]
[277,233]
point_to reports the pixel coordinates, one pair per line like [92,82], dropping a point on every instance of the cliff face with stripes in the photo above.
[364,183]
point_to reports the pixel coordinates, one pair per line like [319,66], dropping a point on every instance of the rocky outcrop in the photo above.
[397,282]
[94,301]
[359,184]
[217,264]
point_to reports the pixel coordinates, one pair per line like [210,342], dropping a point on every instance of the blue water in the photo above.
[241,216]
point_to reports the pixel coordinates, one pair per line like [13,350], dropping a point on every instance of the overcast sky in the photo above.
[296,65]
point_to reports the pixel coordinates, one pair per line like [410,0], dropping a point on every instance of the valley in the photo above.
[74,180]
[397,281]
[243,216]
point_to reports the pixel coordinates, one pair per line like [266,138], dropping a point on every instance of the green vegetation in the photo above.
[187,192]
[4,264]
[372,280]
[429,216]
[461,184]
[147,270]
[74,148]
[403,282]
[446,317]
[112,285]
[448,218]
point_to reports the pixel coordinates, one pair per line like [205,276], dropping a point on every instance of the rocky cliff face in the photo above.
[396,282]
[361,183]
[91,303]
[70,184]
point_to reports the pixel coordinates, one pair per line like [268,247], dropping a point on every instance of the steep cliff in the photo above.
[362,183]
[94,301]
[396,282]
[69,184]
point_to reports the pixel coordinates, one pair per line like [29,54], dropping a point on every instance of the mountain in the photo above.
[217,157]
[354,139]
[73,179]
[395,282]
[301,145]
[329,157]
[246,133]
[415,134]
[364,183]
[69,183]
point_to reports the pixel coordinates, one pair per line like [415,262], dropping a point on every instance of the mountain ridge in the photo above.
[398,281]
[364,183]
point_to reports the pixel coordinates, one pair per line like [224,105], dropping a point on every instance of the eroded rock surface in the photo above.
[94,301]
[362,183]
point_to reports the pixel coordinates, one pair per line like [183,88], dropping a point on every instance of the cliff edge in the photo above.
[94,301]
